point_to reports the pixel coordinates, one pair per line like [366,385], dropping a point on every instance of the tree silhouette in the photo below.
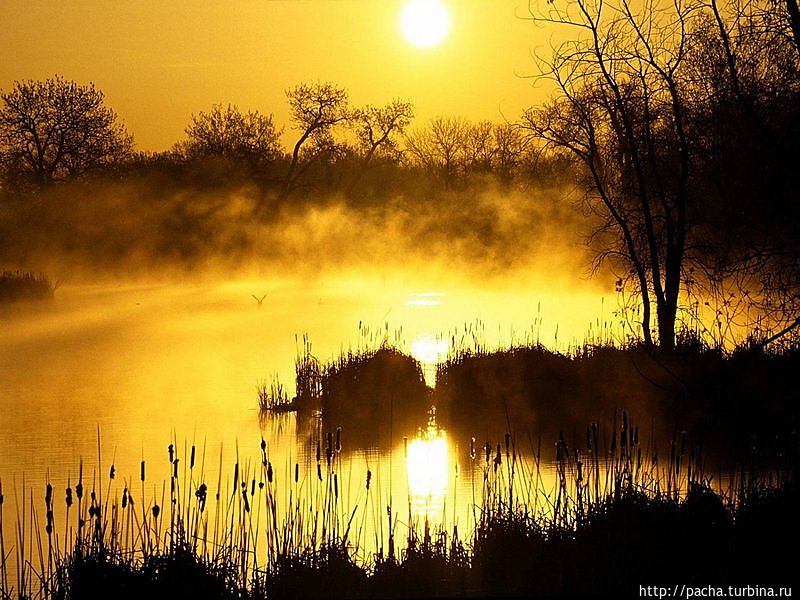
[55,129]
[377,129]
[441,147]
[621,113]
[229,133]
[315,109]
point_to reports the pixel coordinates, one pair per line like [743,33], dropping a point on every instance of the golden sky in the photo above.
[158,62]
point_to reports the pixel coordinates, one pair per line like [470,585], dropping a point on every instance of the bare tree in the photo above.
[227,132]
[377,129]
[620,111]
[315,110]
[440,148]
[55,129]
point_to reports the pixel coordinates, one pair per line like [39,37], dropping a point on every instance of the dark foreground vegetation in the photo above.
[18,286]
[614,518]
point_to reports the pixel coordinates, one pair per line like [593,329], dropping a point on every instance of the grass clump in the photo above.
[18,286]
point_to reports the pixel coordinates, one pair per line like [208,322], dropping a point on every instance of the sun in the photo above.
[424,23]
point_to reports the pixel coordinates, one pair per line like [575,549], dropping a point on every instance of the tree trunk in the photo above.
[794,19]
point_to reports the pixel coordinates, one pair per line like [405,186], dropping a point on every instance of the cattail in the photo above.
[171,450]
[338,439]
[191,460]
[246,503]
[319,471]
[79,490]
[141,472]
[269,472]
[124,498]
[175,468]
[335,486]
[93,496]
[236,475]
[68,498]
[488,451]
[296,472]
[156,511]
[112,471]
[48,495]
[253,487]
[318,451]
[369,477]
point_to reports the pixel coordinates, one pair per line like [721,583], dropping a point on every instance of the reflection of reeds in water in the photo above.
[296,531]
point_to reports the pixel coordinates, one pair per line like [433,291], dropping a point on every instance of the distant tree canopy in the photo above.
[228,133]
[54,130]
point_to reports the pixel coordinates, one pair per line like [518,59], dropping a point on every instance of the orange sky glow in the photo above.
[159,62]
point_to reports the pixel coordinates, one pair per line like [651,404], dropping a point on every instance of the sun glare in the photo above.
[424,23]
[427,470]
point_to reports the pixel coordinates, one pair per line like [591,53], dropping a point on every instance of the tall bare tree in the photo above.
[315,109]
[377,130]
[620,112]
[55,129]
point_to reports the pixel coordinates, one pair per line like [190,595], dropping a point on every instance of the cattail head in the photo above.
[48,495]
[141,472]
[335,486]
[191,459]
[124,498]
[171,451]
[79,490]
[112,472]
[369,477]
[269,472]
[156,511]
[296,472]
[175,468]
[319,452]
[68,498]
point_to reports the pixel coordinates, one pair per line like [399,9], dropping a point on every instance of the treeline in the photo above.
[55,131]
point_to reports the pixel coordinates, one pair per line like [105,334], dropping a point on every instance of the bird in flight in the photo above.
[259,300]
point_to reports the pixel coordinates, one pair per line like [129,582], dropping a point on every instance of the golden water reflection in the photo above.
[428,472]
